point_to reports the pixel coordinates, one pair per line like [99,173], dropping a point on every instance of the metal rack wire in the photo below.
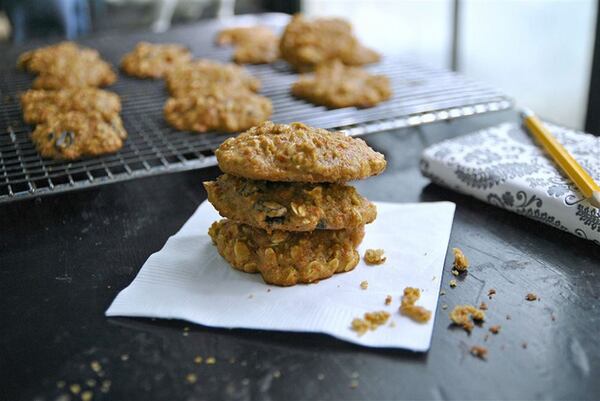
[421,95]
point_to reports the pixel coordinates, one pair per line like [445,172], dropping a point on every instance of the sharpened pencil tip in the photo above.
[526,113]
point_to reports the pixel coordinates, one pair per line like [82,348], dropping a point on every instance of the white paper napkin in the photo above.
[503,166]
[189,280]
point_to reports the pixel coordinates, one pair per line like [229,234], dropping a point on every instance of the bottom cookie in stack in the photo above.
[286,257]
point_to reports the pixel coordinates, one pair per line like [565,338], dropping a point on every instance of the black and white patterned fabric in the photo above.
[503,166]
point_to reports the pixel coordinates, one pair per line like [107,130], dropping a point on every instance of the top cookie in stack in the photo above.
[289,215]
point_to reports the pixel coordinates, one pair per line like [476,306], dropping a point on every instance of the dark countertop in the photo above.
[64,258]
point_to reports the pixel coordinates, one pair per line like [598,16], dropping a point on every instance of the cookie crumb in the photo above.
[125,357]
[364,284]
[491,293]
[524,345]
[75,388]
[371,321]
[198,360]
[87,395]
[105,386]
[531,296]
[495,329]
[277,374]
[483,306]
[444,306]
[191,378]
[354,384]
[461,263]
[388,300]
[479,352]
[374,257]
[452,283]
[461,315]
[211,360]
[96,367]
[408,308]
[455,272]
[268,290]
[508,317]
[442,292]
[90,382]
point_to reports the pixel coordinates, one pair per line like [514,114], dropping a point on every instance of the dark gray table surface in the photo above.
[64,258]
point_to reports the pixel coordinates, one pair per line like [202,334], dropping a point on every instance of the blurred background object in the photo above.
[540,52]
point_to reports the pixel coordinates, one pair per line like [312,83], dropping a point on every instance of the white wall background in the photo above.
[537,51]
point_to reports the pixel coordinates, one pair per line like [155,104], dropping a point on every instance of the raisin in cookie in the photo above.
[202,74]
[307,43]
[287,258]
[39,105]
[289,206]
[73,135]
[149,60]
[297,152]
[225,111]
[335,85]
[253,45]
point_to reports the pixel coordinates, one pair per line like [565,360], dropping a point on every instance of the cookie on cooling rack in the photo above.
[73,135]
[253,45]
[297,152]
[202,74]
[335,85]
[149,60]
[224,111]
[40,105]
[307,43]
[287,258]
[289,206]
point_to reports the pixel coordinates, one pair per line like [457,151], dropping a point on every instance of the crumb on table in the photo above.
[461,315]
[461,263]
[531,296]
[452,283]
[479,352]
[388,300]
[374,257]
[408,308]
[491,293]
[495,329]
[483,306]
[364,284]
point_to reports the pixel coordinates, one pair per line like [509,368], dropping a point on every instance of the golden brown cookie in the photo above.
[297,152]
[66,65]
[73,135]
[150,60]
[307,43]
[39,60]
[39,105]
[335,85]
[223,110]
[287,258]
[202,74]
[289,206]
[253,45]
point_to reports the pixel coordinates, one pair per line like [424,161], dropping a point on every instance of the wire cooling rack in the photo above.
[421,95]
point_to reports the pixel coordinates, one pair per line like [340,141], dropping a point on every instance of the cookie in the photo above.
[39,60]
[307,43]
[289,206]
[148,60]
[224,111]
[253,45]
[39,105]
[66,65]
[202,74]
[335,85]
[73,135]
[287,258]
[297,152]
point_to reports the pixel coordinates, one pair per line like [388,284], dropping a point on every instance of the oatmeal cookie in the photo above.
[289,206]
[227,112]
[73,135]
[202,74]
[39,105]
[287,258]
[307,43]
[253,45]
[39,60]
[150,60]
[335,85]
[297,152]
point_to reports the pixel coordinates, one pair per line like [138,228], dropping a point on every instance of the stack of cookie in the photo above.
[73,117]
[289,215]
[207,95]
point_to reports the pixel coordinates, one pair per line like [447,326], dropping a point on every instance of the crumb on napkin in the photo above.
[479,352]
[371,321]
[408,308]
[374,257]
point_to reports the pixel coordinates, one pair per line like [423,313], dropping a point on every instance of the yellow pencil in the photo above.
[586,184]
